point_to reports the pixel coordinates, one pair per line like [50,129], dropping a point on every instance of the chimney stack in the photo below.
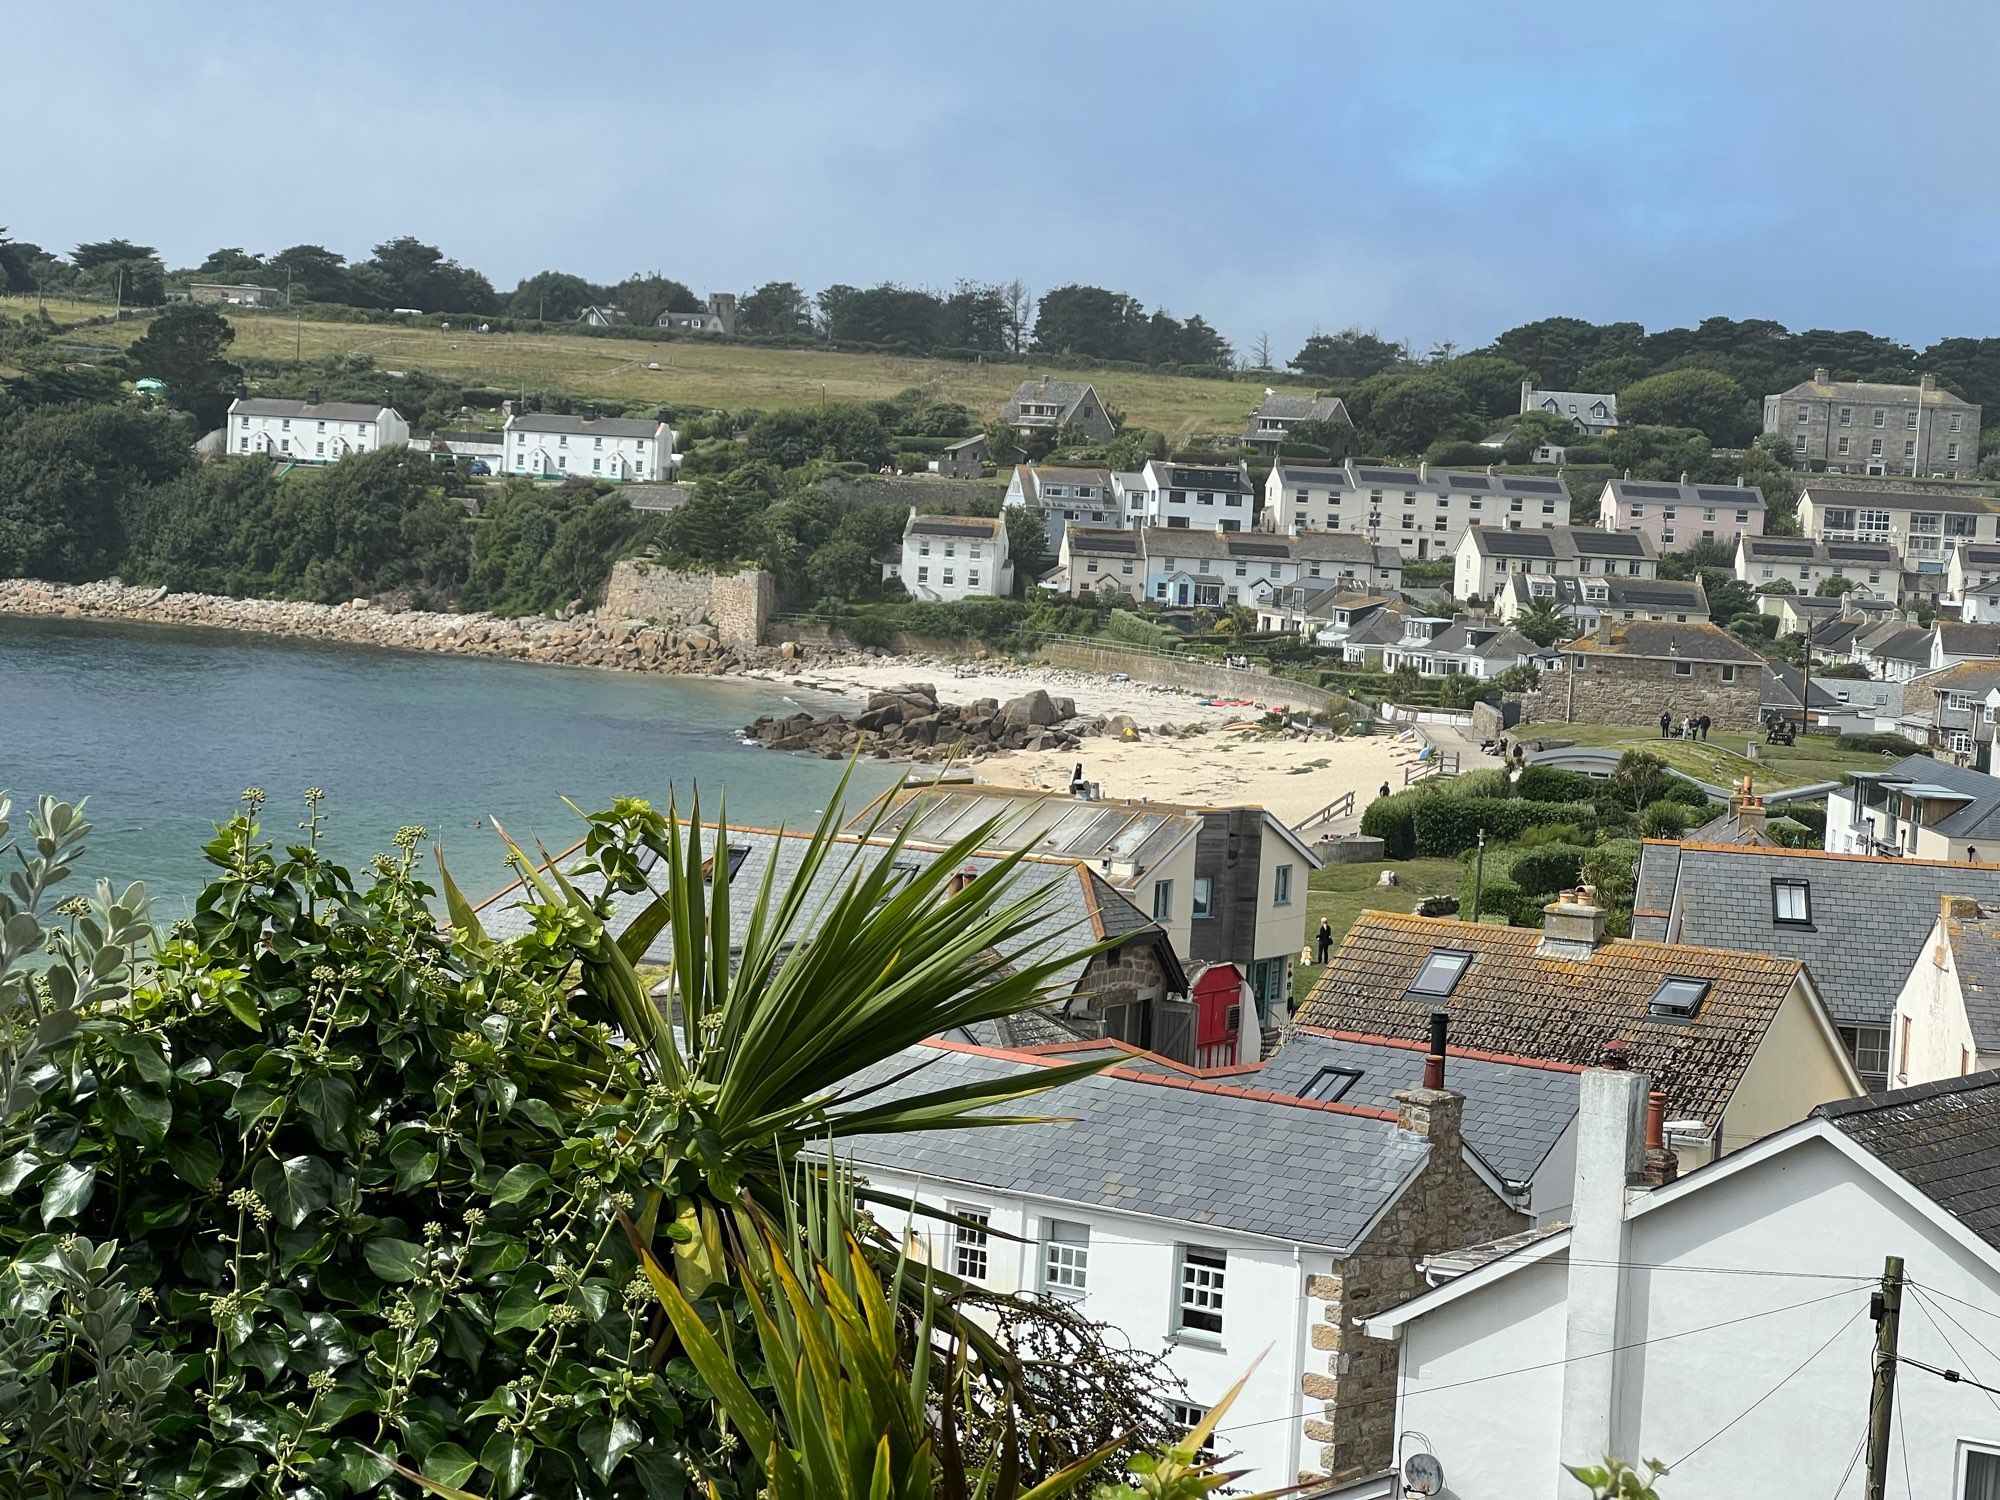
[1747,809]
[1423,470]
[312,396]
[1527,395]
[1662,1166]
[1434,1059]
[1819,375]
[960,879]
[1927,382]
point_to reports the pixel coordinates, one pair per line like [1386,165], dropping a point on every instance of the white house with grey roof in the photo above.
[1422,512]
[1063,495]
[1278,413]
[1196,497]
[624,450]
[1924,529]
[1487,556]
[945,558]
[1720,1322]
[1585,600]
[1043,405]
[1804,563]
[1215,1218]
[1947,1019]
[311,431]
[1208,569]
[1593,412]
[1678,515]
[1921,807]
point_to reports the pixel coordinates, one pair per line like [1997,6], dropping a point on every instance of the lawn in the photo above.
[1719,760]
[718,373]
[1341,893]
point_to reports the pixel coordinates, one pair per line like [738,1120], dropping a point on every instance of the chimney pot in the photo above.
[1927,382]
[1434,1059]
[312,396]
[1819,375]
[1656,1120]
[1613,1057]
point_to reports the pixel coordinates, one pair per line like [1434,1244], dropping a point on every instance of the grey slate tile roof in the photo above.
[325,411]
[1515,1109]
[1979,814]
[1782,685]
[1066,394]
[1722,496]
[1682,596]
[1667,640]
[1942,1138]
[1559,403]
[1959,639]
[1870,917]
[1363,475]
[1825,494]
[1081,908]
[1876,392]
[1285,408]
[1975,954]
[537,421]
[1562,542]
[1172,1147]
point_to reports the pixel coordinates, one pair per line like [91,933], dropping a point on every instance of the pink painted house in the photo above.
[1678,515]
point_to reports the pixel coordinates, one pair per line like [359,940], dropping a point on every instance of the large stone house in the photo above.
[1862,427]
[1632,672]
[1058,406]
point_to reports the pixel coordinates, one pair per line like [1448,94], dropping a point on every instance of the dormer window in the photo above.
[1440,973]
[1677,998]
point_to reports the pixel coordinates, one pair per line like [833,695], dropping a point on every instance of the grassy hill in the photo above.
[717,374]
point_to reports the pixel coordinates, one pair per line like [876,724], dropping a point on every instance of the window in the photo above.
[1281,886]
[924,576]
[947,575]
[1951,452]
[1329,1084]
[1683,669]
[1199,1310]
[1874,447]
[1204,895]
[1163,900]
[1805,415]
[1953,426]
[1910,420]
[1728,673]
[1678,998]
[1880,416]
[1791,902]
[1440,972]
[969,1253]
[1841,444]
[1188,1416]
[1847,416]
[1868,1046]
[1799,442]
[1065,1258]
[972,578]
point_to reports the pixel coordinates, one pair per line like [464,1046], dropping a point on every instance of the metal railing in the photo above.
[1340,807]
[1443,763]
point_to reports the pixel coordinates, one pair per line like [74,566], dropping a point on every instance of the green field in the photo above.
[1341,893]
[1719,760]
[713,373]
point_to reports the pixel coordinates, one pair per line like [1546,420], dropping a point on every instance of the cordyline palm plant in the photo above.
[746,1077]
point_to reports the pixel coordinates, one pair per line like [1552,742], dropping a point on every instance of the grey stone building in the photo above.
[1043,405]
[1860,427]
[1631,673]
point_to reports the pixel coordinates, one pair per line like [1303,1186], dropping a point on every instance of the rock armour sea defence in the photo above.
[587,640]
[908,723]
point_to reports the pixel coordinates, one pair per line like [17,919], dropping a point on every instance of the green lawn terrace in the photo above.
[1724,759]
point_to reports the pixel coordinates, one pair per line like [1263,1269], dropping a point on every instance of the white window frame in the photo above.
[971,1247]
[1065,1259]
[1281,885]
[1201,1285]
[1204,896]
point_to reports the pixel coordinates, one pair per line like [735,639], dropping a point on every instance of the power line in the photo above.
[1903,1442]
[1953,1376]
[1773,1390]
[1848,1473]
[1923,1307]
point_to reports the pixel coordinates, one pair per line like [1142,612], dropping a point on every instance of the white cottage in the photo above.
[311,431]
[953,557]
[544,445]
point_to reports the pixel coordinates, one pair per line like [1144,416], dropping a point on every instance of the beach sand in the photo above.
[1292,775]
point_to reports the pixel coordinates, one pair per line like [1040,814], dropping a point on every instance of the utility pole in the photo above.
[1887,1310]
[1805,686]
[1479,877]
[298,340]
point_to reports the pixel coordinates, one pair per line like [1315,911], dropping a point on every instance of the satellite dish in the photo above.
[1423,1474]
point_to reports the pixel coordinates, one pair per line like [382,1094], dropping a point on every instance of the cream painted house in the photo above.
[1948,1014]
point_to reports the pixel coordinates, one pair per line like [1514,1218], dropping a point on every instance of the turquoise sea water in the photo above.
[162,728]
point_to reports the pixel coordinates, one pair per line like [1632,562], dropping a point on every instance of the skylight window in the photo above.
[1441,972]
[1678,998]
[737,854]
[1329,1084]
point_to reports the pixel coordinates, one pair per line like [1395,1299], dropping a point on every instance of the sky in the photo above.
[1436,170]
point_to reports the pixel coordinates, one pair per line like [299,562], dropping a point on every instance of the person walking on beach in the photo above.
[1666,723]
[1323,941]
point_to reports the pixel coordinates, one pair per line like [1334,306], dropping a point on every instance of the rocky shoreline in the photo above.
[584,641]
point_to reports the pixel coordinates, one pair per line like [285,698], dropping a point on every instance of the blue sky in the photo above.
[1437,170]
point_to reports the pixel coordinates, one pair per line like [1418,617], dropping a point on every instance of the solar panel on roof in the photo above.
[1625,543]
[1652,491]
[1467,481]
[1777,547]
[1536,486]
[1728,494]
[1386,476]
[1258,549]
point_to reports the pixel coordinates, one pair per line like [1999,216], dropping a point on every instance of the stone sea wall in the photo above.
[601,639]
[737,605]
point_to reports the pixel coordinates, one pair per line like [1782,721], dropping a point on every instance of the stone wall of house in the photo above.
[924,491]
[1446,1208]
[738,605]
[1121,977]
[1613,689]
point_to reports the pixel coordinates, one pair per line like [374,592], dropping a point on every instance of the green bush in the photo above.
[1135,630]
[1493,783]
[1685,792]
[1879,744]
[1792,835]
[1810,815]
[1552,833]
[1392,819]
[1451,825]
[1547,868]
[1666,820]
[1613,868]
[1551,784]
[1498,896]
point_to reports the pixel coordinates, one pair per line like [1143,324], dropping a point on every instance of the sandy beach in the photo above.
[1292,774]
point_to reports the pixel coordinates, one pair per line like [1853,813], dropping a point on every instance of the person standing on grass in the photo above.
[1323,941]
[1666,723]
[1702,723]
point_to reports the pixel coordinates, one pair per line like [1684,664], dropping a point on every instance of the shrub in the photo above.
[1551,784]
[1391,819]
[1685,792]
[1665,820]
[1452,825]
[1493,783]
[1613,868]
[1810,815]
[1547,868]
[1879,744]
[1497,895]
[1792,835]
[1552,833]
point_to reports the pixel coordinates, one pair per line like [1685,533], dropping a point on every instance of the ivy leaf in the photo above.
[293,1188]
[414,1161]
[138,1114]
[241,1004]
[66,1190]
[17,1168]
[147,1059]
[194,1160]
[229,1469]
[327,1102]
[520,1182]
[506,1454]
[395,1260]
[450,1464]
[521,1307]
[606,1441]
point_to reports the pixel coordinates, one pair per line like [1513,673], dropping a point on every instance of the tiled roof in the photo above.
[1682,596]
[1978,815]
[1724,496]
[538,421]
[1516,1109]
[1560,402]
[1896,640]
[1668,640]
[982,527]
[1870,916]
[1782,684]
[1956,504]
[1101,541]
[1054,824]
[1080,909]
[1974,677]
[1566,542]
[325,411]
[1874,391]
[1363,475]
[1513,999]
[1975,954]
[1457,639]
[1065,394]
[1158,1142]
[1801,550]
[1969,639]
[1942,1138]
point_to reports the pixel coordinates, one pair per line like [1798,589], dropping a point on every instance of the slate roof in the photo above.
[325,411]
[1973,678]
[1896,640]
[1056,825]
[1870,916]
[980,528]
[1942,1138]
[1219,479]
[1562,542]
[1268,546]
[1290,408]
[1975,954]
[1363,475]
[1516,1108]
[1560,402]
[1166,1144]
[1782,684]
[1797,550]
[1034,476]
[1874,391]
[1959,638]
[1513,999]
[541,421]
[1681,596]
[1101,541]
[1977,816]
[1082,907]
[1066,394]
[1667,640]
[1722,496]
[1823,495]
[1503,642]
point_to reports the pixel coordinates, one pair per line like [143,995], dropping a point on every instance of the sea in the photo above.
[163,728]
